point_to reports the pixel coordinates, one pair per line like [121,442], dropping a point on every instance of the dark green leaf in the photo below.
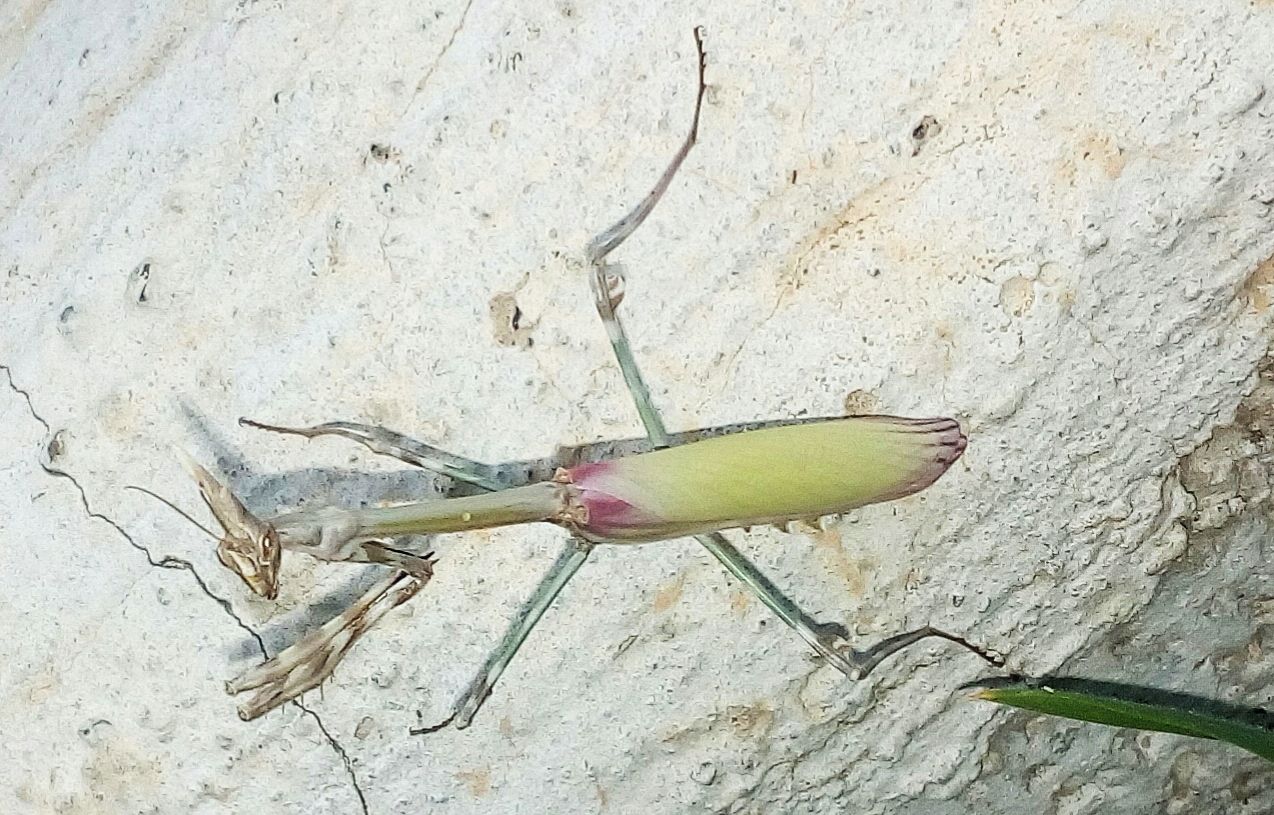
[1141,708]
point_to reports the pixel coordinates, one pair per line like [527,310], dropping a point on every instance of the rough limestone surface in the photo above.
[1053,221]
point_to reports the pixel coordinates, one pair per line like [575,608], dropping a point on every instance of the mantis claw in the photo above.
[307,664]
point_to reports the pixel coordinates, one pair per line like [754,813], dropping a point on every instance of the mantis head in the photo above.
[255,559]
[249,546]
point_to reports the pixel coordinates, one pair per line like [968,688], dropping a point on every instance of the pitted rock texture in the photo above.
[1054,223]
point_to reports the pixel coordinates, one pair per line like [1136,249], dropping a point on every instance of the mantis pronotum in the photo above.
[607,492]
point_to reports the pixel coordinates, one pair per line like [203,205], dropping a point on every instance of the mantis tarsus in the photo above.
[557,489]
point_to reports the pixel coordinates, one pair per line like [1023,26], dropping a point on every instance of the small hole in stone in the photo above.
[922,132]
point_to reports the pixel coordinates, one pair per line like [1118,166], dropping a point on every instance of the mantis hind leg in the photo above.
[607,284]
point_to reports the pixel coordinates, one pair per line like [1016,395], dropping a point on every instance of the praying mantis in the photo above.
[663,486]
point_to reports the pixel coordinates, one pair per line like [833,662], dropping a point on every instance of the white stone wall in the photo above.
[1074,258]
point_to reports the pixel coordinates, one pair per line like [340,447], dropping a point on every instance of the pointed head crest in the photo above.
[250,546]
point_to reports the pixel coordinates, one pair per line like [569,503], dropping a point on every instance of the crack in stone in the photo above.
[464,15]
[181,564]
[13,386]
[340,751]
